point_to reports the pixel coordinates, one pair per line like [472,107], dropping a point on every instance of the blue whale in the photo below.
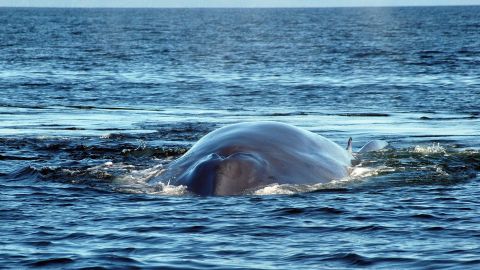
[242,157]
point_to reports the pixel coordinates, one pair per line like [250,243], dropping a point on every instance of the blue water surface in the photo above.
[94,102]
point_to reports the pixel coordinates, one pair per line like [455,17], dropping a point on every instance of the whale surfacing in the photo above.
[241,157]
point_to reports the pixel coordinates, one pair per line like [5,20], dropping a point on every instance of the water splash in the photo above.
[435,148]
[157,189]
[140,176]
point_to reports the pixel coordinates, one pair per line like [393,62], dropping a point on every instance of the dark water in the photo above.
[93,102]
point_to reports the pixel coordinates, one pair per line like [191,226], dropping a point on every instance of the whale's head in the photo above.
[231,175]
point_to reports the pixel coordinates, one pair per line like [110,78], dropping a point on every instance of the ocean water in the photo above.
[95,102]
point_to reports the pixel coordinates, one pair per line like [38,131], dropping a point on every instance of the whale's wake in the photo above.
[137,181]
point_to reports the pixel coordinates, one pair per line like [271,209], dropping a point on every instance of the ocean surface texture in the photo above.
[95,102]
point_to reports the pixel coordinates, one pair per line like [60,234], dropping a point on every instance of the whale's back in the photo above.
[285,155]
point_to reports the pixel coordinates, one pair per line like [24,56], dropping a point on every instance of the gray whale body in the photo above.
[241,157]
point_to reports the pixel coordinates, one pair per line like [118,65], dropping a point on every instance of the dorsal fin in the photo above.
[349,145]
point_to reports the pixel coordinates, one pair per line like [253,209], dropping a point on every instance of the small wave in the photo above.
[471,116]
[52,262]
[292,113]
[364,114]
[350,258]
[308,211]
[7,157]
[424,216]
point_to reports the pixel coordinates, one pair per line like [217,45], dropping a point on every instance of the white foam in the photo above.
[358,174]
[106,136]
[289,189]
[363,172]
[110,165]
[137,181]
[440,171]
[276,189]
[167,189]
[140,176]
[158,189]
[435,148]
